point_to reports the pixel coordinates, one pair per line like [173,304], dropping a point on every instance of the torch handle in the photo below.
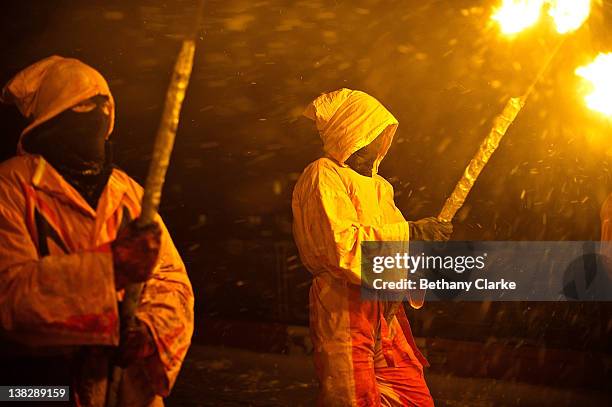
[166,132]
[164,142]
[488,146]
[468,179]
[491,142]
[162,150]
[485,151]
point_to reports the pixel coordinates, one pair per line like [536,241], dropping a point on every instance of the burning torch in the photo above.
[162,150]
[513,17]
[598,74]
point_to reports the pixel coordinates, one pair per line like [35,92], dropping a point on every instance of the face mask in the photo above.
[74,141]
[362,161]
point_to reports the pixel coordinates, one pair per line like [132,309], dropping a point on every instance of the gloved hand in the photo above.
[136,343]
[135,253]
[430,229]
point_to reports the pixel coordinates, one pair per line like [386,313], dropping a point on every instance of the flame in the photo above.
[514,16]
[569,15]
[598,74]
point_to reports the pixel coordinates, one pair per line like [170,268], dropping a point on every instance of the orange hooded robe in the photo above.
[57,293]
[335,209]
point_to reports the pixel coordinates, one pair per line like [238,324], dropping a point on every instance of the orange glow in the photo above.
[514,16]
[598,74]
[569,15]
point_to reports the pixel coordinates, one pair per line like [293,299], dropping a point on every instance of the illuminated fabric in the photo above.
[67,298]
[50,86]
[335,209]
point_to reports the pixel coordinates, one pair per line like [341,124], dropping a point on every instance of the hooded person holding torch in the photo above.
[69,245]
[339,201]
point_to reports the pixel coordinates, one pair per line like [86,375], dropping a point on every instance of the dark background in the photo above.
[440,66]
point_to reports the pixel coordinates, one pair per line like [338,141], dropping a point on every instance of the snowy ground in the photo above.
[214,376]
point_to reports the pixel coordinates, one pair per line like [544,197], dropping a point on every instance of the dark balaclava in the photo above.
[74,143]
[362,161]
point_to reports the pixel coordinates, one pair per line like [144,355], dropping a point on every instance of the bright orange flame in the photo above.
[514,16]
[598,73]
[569,15]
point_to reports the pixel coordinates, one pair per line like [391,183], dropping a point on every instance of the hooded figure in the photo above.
[69,246]
[340,201]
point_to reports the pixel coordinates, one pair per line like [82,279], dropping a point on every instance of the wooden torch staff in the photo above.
[488,146]
[162,150]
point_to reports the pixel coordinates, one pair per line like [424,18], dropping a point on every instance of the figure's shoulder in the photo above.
[15,173]
[383,183]
[322,165]
[317,176]
[320,170]
[17,168]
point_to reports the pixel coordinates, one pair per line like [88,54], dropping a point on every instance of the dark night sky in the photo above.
[440,66]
